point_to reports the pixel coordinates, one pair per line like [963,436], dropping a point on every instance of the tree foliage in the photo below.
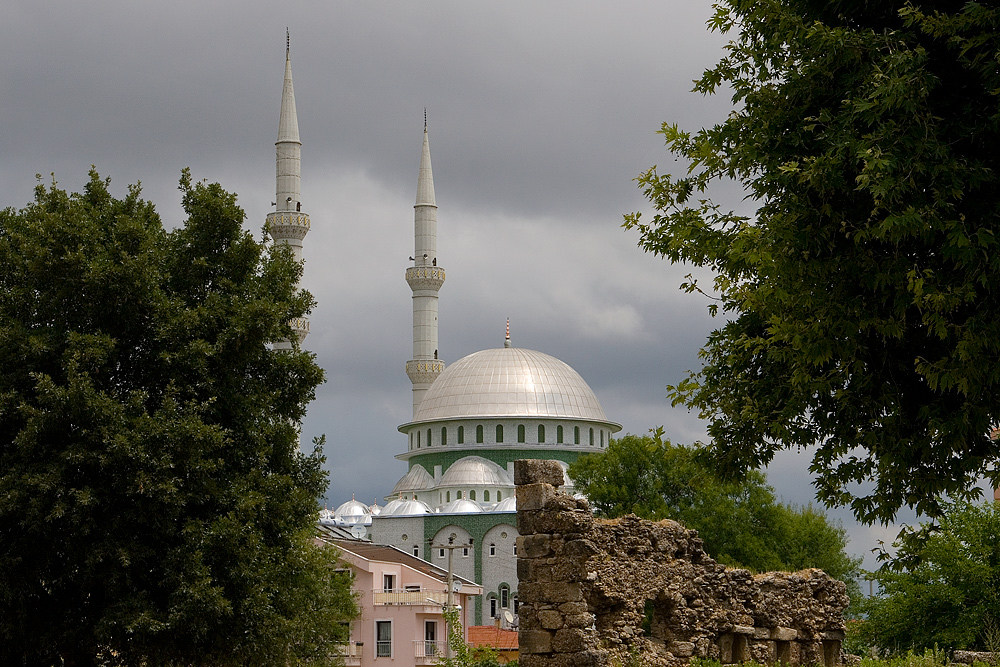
[942,585]
[862,298]
[154,506]
[740,523]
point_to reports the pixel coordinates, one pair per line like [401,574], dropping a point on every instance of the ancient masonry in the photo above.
[586,586]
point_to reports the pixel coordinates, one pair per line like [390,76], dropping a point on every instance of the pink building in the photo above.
[401,598]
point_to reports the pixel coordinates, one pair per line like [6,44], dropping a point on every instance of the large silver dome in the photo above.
[475,471]
[509,382]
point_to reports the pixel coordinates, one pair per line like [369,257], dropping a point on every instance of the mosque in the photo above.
[471,419]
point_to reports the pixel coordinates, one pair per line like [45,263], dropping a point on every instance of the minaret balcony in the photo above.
[425,277]
[287,225]
[422,371]
[300,325]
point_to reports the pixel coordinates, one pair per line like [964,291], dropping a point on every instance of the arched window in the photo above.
[428,437]
[418,439]
[444,436]
[499,432]
[411,441]
[504,596]
[472,494]
[479,433]
[602,438]
[559,434]
[493,550]
[486,496]
[541,433]
[576,435]
[458,495]
[493,607]
[499,496]
[520,432]
[591,437]
[461,435]
[447,499]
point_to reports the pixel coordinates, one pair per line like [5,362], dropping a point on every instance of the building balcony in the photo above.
[350,653]
[428,652]
[408,597]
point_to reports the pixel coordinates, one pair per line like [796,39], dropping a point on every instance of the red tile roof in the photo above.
[491,635]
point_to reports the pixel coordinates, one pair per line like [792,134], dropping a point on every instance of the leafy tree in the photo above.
[740,523]
[862,298]
[942,586]
[154,506]
[463,655]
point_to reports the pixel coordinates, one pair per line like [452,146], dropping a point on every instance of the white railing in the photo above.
[396,596]
[428,649]
[349,650]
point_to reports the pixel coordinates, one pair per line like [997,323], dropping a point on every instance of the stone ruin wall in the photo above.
[585,585]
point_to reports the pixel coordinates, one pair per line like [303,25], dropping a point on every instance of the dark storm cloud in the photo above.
[540,114]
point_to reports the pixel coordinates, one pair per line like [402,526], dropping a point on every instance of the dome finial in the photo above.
[506,342]
[288,42]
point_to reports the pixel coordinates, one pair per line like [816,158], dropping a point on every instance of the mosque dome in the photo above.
[475,471]
[417,479]
[509,382]
[459,506]
[508,504]
[352,512]
[405,507]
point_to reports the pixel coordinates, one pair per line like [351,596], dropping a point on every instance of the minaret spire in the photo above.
[288,224]
[425,279]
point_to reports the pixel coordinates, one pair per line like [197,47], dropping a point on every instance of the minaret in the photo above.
[288,224]
[425,278]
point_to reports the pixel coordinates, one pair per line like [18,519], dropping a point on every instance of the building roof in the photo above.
[509,382]
[390,554]
[491,635]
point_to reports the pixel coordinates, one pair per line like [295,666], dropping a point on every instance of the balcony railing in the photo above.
[428,649]
[396,596]
[350,652]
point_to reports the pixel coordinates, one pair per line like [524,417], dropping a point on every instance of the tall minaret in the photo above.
[288,224]
[425,278]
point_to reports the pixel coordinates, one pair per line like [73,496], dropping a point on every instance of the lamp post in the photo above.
[450,604]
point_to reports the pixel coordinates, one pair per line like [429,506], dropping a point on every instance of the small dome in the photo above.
[509,382]
[508,504]
[375,509]
[406,507]
[417,479]
[352,512]
[459,506]
[475,471]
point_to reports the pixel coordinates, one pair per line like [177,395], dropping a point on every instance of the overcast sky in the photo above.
[540,116]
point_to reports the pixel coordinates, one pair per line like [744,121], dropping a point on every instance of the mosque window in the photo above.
[447,496]
[458,495]
[493,550]
[486,496]
[416,551]
[472,494]
[515,548]
[465,552]
[440,553]
[479,434]
[499,496]
[559,434]
[493,607]
[504,599]
[591,437]
[541,433]
[428,437]
[418,439]
[520,432]
[516,605]
[444,436]
[499,432]
[602,438]
[461,435]
[576,435]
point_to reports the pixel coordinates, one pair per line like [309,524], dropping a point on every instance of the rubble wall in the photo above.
[587,586]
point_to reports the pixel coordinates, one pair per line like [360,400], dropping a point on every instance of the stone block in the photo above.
[784,634]
[580,549]
[534,496]
[534,546]
[584,620]
[534,641]
[742,630]
[758,633]
[681,649]
[550,619]
[536,471]
[568,640]
[837,635]
[573,607]
[559,592]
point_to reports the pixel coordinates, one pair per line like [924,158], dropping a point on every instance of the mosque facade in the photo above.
[471,420]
